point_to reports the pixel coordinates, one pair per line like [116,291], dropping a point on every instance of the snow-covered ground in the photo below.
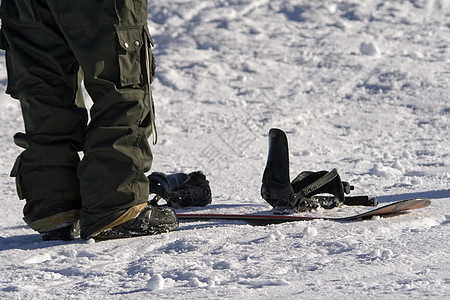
[361,86]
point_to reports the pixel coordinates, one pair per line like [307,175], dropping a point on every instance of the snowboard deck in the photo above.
[270,218]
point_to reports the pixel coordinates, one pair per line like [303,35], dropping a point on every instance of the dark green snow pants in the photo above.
[46,43]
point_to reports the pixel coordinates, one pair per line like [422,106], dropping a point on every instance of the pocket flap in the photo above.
[130,39]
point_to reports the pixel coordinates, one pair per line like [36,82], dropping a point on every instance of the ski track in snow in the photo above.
[361,86]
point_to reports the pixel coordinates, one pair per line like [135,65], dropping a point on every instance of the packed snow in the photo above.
[361,86]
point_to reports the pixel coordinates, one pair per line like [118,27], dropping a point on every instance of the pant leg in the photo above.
[42,75]
[107,37]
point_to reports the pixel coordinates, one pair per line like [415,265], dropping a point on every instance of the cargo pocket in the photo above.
[11,84]
[15,172]
[130,44]
[150,59]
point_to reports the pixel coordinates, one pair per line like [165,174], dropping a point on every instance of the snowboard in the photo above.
[270,218]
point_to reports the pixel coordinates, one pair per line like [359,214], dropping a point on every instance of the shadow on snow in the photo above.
[428,194]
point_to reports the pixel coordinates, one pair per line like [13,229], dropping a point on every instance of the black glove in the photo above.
[180,189]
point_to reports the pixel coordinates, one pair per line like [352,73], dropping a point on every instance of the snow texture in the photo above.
[358,85]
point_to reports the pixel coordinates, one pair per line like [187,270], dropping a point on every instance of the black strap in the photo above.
[308,190]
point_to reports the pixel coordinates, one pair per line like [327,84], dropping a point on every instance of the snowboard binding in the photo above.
[306,191]
[180,189]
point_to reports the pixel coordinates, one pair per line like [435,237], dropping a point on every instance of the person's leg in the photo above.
[42,71]
[107,38]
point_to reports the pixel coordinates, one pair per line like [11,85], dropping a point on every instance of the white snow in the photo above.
[228,71]
[156,283]
[370,49]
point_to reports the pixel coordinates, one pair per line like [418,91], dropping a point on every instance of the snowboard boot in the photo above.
[150,221]
[67,233]
[180,189]
[62,226]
